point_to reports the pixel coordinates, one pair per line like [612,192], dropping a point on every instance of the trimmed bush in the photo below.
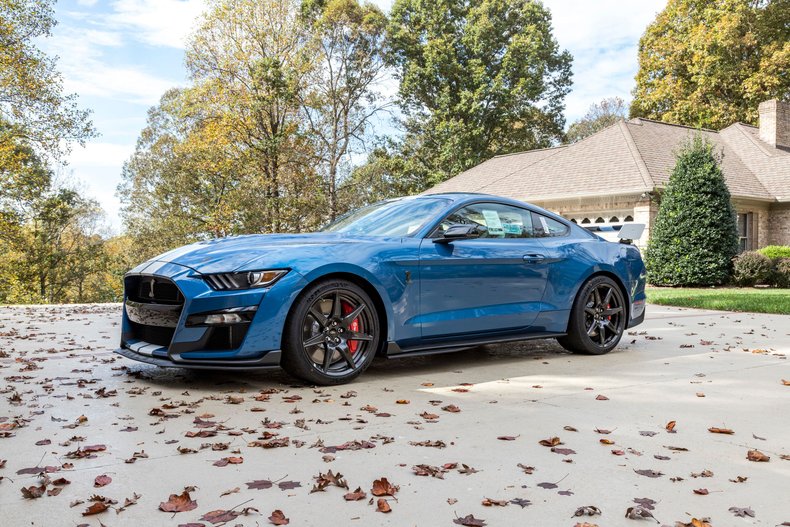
[782,273]
[752,268]
[775,251]
[694,238]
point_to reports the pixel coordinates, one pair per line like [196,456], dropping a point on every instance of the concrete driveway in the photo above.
[247,445]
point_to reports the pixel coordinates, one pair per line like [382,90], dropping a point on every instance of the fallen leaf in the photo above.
[601,398]
[469,521]
[97,508]
[649,473]
[756,455]
[33,491]
[382,487]
[638,513]
[453,409]
[550,442]
[701,492]
[587,510]
[178,503]
[358,494]
[742,512]
[507,438]
[670,427]
[488,502]
[102,480]
[521,502]
[563,451]
[714,430]
[383,506]
[278,518]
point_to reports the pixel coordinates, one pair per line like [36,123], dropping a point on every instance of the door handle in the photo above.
[534,258]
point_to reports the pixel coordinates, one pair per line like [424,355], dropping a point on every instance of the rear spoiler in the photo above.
[626,233]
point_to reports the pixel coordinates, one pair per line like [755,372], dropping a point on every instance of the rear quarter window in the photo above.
[545,227]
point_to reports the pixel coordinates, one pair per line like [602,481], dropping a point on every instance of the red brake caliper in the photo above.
[354,326]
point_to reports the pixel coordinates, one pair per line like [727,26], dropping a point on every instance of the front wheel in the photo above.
[597,319]
[331,334]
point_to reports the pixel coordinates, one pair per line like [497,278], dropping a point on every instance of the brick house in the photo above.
[613,176]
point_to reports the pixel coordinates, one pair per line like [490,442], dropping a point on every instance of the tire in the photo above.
[316,343]
[597,319]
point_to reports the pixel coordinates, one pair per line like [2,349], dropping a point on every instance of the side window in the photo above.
[546,227]
[493,220]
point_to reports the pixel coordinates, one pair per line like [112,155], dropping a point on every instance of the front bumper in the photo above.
[156,331]
[267,362]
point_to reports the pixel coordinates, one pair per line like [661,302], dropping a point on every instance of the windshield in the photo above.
[401,217]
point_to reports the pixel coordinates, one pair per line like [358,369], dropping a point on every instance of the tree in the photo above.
[599,116]
[49,242]
[710,64]
[249,61]
[476,79]
[340,98]
[695,236]
[32,102]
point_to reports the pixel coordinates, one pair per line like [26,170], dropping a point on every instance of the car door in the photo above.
[493,283]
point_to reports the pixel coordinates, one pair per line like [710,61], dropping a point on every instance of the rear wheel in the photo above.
[332,333]
[597,318]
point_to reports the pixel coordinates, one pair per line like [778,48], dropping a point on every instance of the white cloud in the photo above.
[87,3]
[87,72]
[603,37]
[157,22]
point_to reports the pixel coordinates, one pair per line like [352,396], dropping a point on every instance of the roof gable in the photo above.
[627,157]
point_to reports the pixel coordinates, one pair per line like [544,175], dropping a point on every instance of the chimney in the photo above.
[775,123]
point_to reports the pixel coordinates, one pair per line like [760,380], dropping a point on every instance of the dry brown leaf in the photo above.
[670,427]
[550,442]
[488,502]
[382,487]
[96,508]
[715,430]
[383,506]
[278,518]
[358,494]
[178,503]
[756,455]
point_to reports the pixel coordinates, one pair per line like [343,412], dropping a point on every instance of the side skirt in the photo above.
[395,351]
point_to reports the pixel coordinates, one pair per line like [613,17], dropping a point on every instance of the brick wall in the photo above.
[779,225]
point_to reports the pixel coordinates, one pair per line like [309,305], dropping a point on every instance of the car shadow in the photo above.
[382,370]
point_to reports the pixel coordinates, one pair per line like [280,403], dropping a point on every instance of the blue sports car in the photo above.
[406,276]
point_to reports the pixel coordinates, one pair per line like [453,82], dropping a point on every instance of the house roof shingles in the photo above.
[627,157]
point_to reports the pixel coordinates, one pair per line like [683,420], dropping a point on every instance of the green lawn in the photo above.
[724,298]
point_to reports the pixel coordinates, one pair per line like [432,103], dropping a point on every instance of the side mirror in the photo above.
[458,232]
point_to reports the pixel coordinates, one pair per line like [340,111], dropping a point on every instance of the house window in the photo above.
[745,231]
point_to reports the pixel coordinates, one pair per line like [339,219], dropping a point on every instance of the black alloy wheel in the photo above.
[598,318]
[332,333]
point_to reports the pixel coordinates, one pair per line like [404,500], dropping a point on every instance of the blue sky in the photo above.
[119,56]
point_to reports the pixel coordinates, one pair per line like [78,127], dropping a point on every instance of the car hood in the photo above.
[252,252]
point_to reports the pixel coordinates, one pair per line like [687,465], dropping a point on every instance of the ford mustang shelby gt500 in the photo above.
[413,275]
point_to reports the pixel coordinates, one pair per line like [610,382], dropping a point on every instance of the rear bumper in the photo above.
[268,361]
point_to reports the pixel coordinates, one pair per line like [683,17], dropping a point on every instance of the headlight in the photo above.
[244,280]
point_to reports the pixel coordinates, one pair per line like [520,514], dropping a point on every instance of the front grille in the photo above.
[158,293]
[153,290]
